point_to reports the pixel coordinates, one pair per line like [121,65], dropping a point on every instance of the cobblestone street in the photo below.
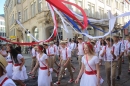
[124,81]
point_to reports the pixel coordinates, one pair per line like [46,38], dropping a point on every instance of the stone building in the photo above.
[2,29]
[36,18]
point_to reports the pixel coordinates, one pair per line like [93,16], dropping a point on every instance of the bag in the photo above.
[101,79]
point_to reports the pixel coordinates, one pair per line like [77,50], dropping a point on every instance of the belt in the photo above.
[91,72]
[10,61]
[43,68]
[17,64]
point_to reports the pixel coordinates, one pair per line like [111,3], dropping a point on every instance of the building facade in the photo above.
[2,29]
[36,18]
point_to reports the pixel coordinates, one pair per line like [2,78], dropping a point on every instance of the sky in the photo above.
[2,6]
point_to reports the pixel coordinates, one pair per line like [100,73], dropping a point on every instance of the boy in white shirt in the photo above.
[73,47]
[119,51]
[65,63]
[127,49]
[80,50]
[110,57]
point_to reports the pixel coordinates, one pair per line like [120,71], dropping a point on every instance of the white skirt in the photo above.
[43,78]
[19,75]
[9,70]
[88,80]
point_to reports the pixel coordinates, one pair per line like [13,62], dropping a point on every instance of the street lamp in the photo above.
[27,31]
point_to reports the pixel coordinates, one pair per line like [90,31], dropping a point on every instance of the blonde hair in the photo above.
[91,50]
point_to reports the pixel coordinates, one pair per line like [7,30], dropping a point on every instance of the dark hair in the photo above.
[70,40]
[104,42]
[110,40]
[44,50]
[18,49]
[14,53]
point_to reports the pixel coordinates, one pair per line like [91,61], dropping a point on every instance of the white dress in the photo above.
[89,80]
[17,74]
[9,67]
[8,82]
[43,78]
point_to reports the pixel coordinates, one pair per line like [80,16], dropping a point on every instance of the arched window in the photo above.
[36,33]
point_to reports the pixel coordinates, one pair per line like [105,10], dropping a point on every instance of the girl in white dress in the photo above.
[90,68]
[4,80]
[19,70]
[44,77]
[9,67]
[103,44]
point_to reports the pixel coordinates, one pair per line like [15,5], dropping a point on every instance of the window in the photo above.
[89,9]
[101,12]
[117,4]
[108,2]
[25,14]
[32,11]
[93,10]
[36,33]
[12,19]
[40,6]
[19,16]
[101,0]
[18,1]
[14,2]
[34,8]
[3,34]
[79,4]
[60,36]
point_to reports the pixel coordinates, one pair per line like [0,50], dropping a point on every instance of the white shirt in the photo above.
[127,46]
[58,50]
[55,49]
[8,82]
[19,57]
[98,44]
[96,49]
[51,50]
[42,60]
[33,52]
[119,48]
[101,51]
[72,46]
[81,48]
[108,56]
[65,53]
